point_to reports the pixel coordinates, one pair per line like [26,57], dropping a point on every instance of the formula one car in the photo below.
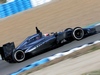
[39,42]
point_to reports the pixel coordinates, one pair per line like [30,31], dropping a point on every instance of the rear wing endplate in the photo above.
[6,50]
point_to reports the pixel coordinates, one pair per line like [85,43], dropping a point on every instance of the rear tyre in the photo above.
[19,56]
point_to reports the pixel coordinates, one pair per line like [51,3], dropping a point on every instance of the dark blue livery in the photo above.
[39,43]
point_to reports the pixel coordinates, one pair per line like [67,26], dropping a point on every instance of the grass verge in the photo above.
[97,72]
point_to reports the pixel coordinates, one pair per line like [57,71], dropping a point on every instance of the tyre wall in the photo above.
[13,7]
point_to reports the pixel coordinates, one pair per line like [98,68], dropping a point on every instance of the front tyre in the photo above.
[18,56]
[78,33]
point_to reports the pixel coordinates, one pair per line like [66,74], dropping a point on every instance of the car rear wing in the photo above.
[6,50]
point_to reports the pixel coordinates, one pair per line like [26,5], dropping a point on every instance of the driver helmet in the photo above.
[46,34]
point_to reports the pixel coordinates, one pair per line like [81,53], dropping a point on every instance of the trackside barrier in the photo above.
[15,6]
[9,1]
[47,59]
[38,2]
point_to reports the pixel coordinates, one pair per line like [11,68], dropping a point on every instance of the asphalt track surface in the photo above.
[6,68]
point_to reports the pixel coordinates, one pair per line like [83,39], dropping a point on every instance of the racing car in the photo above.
[40,42]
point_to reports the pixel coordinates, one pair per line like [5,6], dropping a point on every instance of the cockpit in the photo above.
[33,38]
